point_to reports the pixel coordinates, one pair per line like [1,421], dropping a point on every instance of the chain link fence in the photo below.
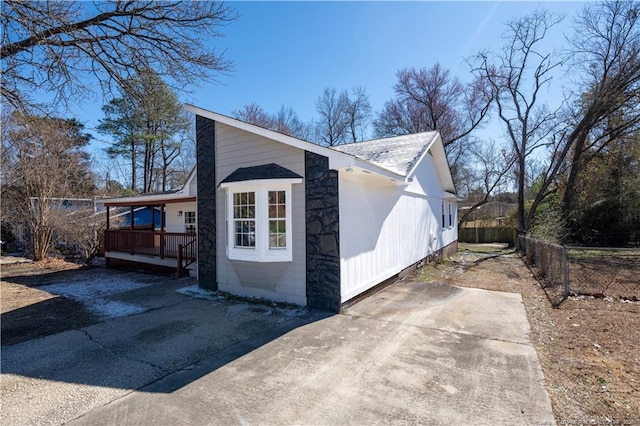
[574,271]
[549,263]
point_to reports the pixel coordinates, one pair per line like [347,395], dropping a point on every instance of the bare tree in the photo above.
[358,114]
[254,114]
[605,51]
[44,165]
[517,76]
[332,125]
[605,62]
[64,47]
[342,118]
[490,167]
[285,121]
[431,99]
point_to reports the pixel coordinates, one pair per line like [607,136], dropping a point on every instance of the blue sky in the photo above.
[286,53]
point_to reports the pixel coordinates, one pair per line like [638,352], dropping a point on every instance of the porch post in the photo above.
[161,230]
[106,238]
[132,237]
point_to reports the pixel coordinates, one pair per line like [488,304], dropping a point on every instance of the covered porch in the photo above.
[168,239]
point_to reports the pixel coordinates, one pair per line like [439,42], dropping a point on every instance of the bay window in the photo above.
[259,220]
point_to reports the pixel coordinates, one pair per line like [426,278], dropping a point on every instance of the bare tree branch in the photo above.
[63,47]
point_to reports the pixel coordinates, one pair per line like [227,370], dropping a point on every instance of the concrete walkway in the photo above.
[413,353]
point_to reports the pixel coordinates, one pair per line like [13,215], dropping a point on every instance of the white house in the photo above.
[284,219]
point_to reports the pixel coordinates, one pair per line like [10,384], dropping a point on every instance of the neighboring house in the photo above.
[65,210]
[493,213]
[284,219]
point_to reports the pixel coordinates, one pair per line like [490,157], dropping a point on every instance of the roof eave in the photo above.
[148,200]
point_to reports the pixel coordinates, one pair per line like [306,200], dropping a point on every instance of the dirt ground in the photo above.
[28,313]
[588,348]
[608,275]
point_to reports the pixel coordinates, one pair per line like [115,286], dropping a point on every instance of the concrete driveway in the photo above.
[412,353]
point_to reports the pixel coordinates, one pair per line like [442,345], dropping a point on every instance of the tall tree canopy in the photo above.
[342,118]
[518,75]
[605,53]
[432,99]
[64,47]
[148,126]
[285,121]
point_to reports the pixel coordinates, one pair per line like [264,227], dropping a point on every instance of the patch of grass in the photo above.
[493,248]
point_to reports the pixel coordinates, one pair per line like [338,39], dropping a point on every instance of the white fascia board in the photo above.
[337,160]
[260,182]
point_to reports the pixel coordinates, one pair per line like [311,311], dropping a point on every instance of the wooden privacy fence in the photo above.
[487,235]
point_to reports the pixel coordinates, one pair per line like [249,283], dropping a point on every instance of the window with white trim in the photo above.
[277,219]
[244,219]
[259,220]
[450,216]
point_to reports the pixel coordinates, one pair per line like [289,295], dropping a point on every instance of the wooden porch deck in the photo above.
[172,249]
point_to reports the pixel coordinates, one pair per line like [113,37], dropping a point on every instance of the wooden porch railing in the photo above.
[187,254]
[150,243]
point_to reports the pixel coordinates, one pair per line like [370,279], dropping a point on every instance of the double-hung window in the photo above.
[190,222]
[244,219]
[259,216]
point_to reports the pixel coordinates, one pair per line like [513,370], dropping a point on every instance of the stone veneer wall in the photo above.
[206,216]
[322,220]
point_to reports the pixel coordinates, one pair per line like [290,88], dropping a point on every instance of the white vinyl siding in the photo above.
[386,228]
[175,215]
[283,281]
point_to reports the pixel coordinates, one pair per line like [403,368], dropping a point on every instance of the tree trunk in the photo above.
[521,178]
[570,198]
[133,165]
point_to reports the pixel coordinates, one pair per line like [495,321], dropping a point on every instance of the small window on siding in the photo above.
[443,223]
[190,222]
[450,216]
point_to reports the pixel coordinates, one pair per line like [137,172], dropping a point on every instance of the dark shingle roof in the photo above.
[264,171]
[398,154]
